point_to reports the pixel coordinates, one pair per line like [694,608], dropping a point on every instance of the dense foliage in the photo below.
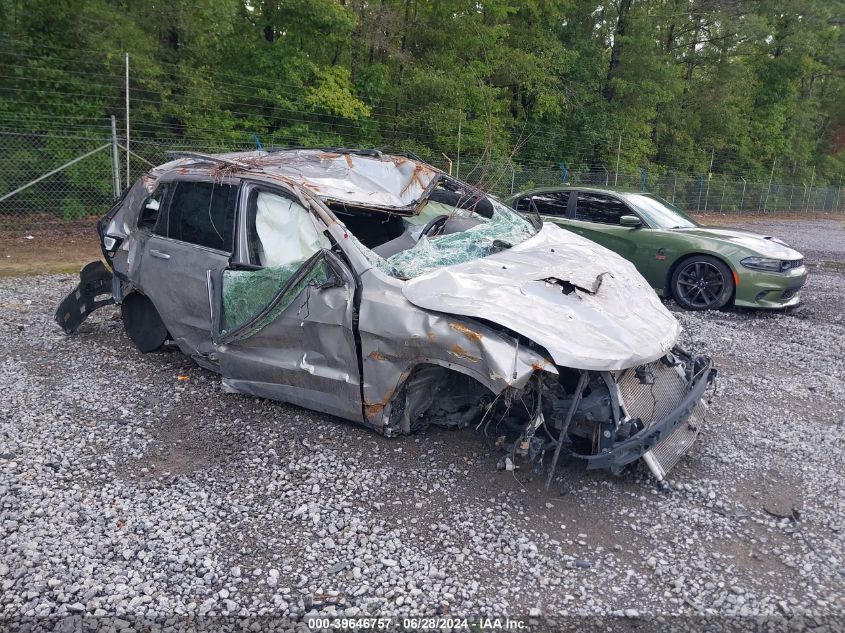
[678,82]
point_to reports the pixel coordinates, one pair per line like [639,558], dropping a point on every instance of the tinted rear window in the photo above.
[595,207]
[552,203]
[203,213]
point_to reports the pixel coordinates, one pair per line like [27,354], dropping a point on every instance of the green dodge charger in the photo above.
[702,268]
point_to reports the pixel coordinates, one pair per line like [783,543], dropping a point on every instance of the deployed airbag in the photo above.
[286,231]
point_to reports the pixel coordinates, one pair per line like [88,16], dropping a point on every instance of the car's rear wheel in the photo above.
[702,283]
[142,323]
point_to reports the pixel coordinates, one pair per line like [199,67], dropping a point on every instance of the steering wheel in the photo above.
[434,225]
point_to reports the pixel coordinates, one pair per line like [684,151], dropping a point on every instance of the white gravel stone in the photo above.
[126,493]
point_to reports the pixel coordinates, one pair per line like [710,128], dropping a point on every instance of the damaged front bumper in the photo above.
[94,290]
[611,419]
[683,420]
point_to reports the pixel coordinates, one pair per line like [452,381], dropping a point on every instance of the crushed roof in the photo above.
[368,179]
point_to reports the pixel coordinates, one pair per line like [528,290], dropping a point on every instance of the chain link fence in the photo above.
[31,194]
[695,193]
[50,179]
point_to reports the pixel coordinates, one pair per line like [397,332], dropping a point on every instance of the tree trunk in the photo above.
[615,50]
[404,43]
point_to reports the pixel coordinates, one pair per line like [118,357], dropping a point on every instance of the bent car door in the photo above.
[191,234]
[282,319]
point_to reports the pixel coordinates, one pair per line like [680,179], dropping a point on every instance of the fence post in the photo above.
[838,191]
[722,201]
[791,193]
[458,160]
[769,188]
[810,190]
[709,176]
[700,188]
[115,159]
[128,174]
[674,185]
[618,153]
[742,199]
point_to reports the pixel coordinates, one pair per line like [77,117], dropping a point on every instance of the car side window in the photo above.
[202,213]
[154,206]
[551,203]
[282,232]
[595,207]
[523,205]
[285,240]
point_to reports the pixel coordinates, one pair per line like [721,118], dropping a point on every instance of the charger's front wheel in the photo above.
[702,283]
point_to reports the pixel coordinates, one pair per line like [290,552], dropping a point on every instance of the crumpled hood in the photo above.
[586,305]
[762,245]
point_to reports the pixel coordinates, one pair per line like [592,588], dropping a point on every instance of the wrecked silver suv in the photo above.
[379,289]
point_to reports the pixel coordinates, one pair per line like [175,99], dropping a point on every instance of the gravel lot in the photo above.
[127,491]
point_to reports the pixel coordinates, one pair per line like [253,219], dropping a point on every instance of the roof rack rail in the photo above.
[206,157]
[338,150]
[375,152]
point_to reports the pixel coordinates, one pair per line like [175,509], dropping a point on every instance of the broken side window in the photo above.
[283,237]
[255,298]
[154,207]
[282,231]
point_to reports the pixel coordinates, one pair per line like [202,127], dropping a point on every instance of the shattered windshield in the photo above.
[443,234]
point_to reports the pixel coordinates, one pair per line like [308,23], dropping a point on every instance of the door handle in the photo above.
[159,254]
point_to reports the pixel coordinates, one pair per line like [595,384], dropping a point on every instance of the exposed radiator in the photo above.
[653,402]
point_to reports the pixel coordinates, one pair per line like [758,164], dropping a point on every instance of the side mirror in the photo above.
[631,221]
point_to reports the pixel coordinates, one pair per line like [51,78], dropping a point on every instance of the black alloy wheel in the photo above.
[702,283]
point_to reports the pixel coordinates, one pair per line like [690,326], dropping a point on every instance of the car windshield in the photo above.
[487,227]
[660,213]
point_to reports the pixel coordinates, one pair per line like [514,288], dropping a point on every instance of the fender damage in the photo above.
[554,343]
[537,337]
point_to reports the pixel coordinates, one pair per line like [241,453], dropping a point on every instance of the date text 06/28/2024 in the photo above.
[416,624]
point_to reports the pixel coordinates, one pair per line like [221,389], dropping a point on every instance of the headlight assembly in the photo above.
[763,263]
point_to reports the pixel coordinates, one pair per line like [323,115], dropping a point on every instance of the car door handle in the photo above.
[159,254]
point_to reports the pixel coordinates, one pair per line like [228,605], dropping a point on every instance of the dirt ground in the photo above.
[52,249]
